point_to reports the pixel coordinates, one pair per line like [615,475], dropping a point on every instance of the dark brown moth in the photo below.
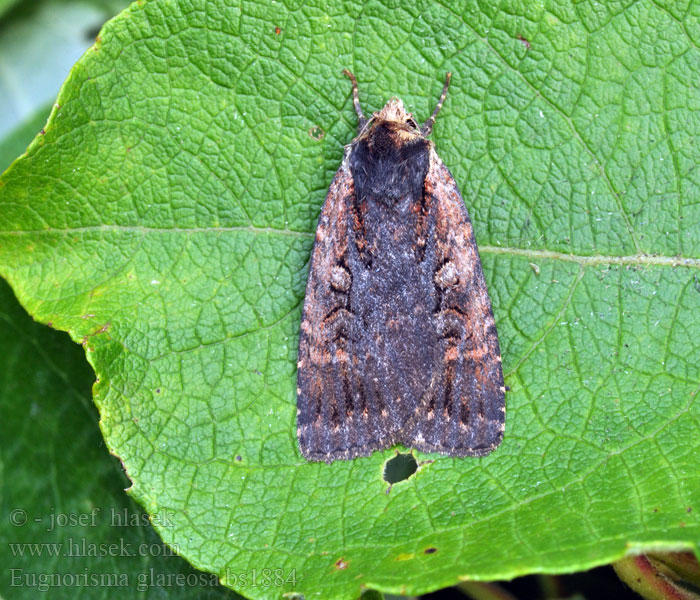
[398,343]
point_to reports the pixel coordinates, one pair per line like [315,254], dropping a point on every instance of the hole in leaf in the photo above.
[399,468]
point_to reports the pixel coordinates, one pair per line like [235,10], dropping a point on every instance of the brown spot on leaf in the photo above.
[525,42]
[341,564]
[430,550]
[317,133]
[278,30]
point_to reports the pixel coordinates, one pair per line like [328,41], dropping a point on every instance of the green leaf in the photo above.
[166,218]
[66,521]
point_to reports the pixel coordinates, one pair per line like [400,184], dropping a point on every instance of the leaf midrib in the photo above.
[659,260]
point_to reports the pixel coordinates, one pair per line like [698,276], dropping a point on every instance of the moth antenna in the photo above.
[362,120]
[427,127]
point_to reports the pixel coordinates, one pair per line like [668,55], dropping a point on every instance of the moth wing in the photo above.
[334,419]
[462,413]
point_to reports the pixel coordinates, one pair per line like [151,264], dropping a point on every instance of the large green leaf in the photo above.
[166,218]
[67,527]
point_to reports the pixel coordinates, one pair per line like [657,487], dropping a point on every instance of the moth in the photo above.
[398,343]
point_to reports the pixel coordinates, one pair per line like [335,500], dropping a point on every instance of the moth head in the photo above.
[394,116]
[393,121]
[395,112]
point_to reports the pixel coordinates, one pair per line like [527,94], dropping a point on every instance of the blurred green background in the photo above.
[40,40]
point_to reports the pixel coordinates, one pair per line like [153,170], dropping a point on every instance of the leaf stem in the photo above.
[660,576]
